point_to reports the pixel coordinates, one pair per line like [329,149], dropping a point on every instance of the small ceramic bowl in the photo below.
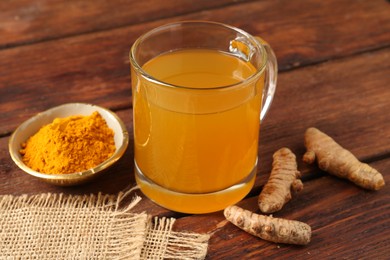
[32,125]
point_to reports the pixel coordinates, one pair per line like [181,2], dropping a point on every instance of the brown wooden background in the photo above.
[334,74]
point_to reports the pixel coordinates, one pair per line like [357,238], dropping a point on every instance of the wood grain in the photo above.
[348,99]
[24,22]
[94,68]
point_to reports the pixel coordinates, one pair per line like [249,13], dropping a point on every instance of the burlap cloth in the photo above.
[57,226]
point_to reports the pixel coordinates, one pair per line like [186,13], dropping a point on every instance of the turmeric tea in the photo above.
[68,145]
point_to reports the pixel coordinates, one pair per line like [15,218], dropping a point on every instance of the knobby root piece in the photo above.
[336,160]
[277,230]
[284,180]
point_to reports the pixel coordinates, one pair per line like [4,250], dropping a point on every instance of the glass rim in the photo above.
[149,77]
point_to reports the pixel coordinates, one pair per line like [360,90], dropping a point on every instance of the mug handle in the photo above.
[270,78]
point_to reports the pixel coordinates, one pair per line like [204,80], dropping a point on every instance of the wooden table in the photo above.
[334,74]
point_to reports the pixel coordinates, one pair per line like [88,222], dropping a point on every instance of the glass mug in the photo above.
[200,90]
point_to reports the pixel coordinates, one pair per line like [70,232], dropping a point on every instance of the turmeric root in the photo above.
[283,180]
[336,160]
[277,230]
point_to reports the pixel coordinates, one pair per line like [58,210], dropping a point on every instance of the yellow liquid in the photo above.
[193,141]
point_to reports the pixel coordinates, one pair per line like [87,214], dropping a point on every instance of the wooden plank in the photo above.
[306,32]
[25,22]
[346,222]
[94,68]
[348,99]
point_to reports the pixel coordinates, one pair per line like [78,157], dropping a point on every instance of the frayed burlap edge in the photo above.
[163,243]
[58,226]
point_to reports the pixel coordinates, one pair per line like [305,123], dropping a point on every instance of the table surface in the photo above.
[334,74]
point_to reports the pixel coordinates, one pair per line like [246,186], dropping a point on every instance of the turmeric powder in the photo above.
[336,160]
[68,145]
